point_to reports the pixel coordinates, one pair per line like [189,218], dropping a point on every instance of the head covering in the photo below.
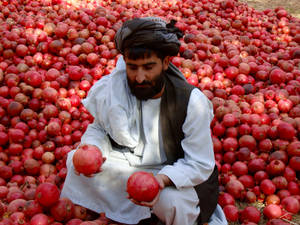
[150,32]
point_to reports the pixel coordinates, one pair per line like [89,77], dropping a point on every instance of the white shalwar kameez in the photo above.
[137,124]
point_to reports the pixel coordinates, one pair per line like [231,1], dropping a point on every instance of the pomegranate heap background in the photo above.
[246,62]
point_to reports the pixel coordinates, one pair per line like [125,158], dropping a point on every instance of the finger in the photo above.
[155,200]
[137,202]
[160,182]
[134,201]
[147,204]
[161,185]
[150,204]
[91,175]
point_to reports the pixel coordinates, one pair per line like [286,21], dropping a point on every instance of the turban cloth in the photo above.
[149,32]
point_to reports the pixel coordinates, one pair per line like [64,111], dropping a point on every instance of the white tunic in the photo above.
[106,191]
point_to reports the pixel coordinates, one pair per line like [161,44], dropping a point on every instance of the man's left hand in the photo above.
[163,182]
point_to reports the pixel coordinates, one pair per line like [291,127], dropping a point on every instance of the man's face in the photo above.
[146,76]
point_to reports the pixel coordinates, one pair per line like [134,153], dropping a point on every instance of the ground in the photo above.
[292,6]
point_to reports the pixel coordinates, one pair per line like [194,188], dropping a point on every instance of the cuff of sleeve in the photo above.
[178,178]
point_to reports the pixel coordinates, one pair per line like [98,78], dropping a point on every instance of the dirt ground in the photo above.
[292,6]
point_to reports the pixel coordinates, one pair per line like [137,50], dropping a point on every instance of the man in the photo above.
[147,117]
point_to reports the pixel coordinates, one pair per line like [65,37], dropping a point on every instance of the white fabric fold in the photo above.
[115,108]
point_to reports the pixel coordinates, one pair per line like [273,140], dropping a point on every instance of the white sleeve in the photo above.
[198,162]
[95,135]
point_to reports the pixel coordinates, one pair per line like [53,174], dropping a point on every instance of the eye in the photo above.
[148,67]
[132,67]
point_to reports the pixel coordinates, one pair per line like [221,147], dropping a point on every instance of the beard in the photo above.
[147,89]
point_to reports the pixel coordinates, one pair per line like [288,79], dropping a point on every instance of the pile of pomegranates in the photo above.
[246,62]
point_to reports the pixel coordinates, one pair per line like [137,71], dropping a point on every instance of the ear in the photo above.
[166,62]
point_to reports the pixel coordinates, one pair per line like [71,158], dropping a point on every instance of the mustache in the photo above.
[143,83]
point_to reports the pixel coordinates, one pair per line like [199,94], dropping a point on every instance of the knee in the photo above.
[165,208]
[177,205]
[167,199]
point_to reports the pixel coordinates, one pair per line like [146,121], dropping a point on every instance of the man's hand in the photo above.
[163,181]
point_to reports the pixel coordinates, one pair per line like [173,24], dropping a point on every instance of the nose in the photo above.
[140,76]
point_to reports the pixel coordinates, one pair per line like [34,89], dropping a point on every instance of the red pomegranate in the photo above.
[142,186]
[31,208]
[286,131]
[231,212]
[272,211]
[277,222]
[87,159]
[250,214]
[74,221]
[47,194]
[39,219]
[294,163]
[294,148]
[291,204]
[225,199]
[235,188]
[267,187]
[63,210]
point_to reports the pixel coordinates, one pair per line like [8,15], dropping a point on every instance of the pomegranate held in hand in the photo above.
[87,160]
[142,186]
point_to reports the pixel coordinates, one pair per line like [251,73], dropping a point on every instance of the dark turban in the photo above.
[150,32]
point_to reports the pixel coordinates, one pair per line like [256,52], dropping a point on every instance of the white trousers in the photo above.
[179,207]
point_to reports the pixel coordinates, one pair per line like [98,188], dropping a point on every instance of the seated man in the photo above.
[147,117]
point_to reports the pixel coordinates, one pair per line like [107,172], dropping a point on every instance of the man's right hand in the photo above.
[91,175]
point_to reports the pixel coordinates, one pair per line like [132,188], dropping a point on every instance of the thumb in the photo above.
[161,183]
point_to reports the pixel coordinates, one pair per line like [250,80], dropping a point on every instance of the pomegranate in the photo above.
[291,204]
[80,212]
[277,222]
[87,159]
[47,194]
[239,168]
[250,214]
[32,208]
[39,219]
[272,199]
[231,212]
[225,199]
[74,221]
[267,187]
[294,148]
[272,211]
[62,210]
[16,205]
[142,186]
[294,163]
[275,167]
[286,131]
[235,188]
